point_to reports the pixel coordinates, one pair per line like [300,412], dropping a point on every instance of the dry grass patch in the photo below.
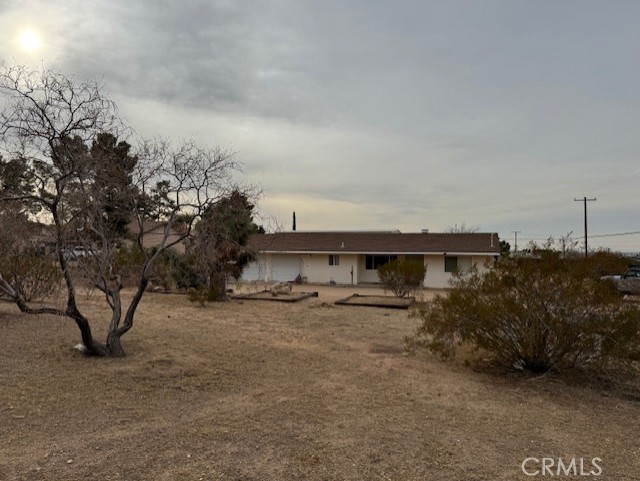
[256,391]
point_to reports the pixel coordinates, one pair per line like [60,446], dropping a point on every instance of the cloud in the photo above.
[411,114]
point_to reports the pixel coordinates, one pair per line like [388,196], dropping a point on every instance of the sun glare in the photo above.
[29,40]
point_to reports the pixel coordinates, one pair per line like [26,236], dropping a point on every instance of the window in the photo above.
[334,260]
[462,264]
[450,264]
[373,262]
[465,264]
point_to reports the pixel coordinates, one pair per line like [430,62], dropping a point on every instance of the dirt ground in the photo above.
[254,390]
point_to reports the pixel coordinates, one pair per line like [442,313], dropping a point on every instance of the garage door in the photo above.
[285,268]
[253,271]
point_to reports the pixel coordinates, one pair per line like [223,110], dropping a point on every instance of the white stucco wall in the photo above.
[365,275]
[371,275]
[437,278]
[316,268]
[483,263]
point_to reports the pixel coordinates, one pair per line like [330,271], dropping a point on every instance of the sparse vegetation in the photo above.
[538,314]
[462,229]
[63,161]
[34,275]
[202,294]
[24,264]
[402,277]
[283,391]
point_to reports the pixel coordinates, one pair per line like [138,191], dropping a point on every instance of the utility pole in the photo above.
[585,200]
[516,232]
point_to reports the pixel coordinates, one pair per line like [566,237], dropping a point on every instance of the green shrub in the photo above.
[402,277]
[128,260]
[174,269]
[537,314]
[170,270]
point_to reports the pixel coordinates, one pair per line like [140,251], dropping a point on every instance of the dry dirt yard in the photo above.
[255,390]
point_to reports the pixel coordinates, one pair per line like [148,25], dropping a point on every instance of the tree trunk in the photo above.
[218,286]
[116,331]
[93,348]
[114,345]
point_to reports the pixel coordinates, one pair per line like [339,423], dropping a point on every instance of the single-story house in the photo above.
[354,257]
[153,232]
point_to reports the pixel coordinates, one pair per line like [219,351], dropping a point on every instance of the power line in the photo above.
[616,234]
[626,176]
[593,236]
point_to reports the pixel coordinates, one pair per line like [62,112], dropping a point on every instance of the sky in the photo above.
[378,115]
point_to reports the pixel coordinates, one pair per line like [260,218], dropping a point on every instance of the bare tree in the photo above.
[194,178]
[52,124]
[462,229]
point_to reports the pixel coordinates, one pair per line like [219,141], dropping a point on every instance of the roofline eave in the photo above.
[375,253]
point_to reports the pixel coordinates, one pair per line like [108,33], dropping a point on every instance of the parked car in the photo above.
[629,282]
[76,252]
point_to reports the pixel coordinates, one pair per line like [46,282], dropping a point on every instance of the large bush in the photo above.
[34,275]
[402,277]
[537,314]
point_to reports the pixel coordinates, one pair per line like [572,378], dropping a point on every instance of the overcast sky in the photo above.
[367,114]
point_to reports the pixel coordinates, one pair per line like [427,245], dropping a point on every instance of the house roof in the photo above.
[375,242]
[149,226]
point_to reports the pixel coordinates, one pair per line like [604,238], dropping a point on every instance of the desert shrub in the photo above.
[128,259]
[537,314]
[171,269]
[203,294]
[402,277]
[174,269]
[607,263]
[34,276]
